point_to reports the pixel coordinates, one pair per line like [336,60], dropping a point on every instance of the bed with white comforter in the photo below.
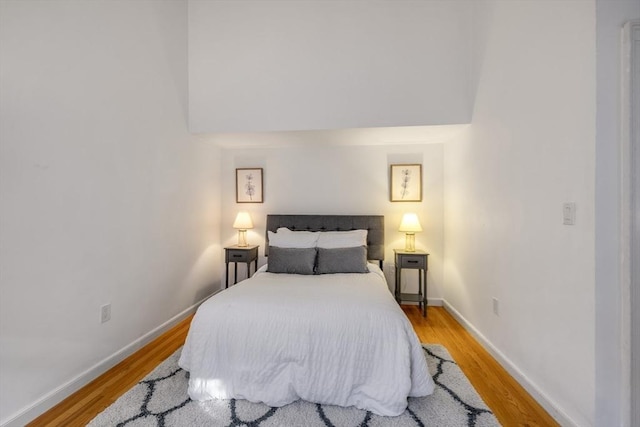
[336,339]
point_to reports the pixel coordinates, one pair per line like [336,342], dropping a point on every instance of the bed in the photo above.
[285,334]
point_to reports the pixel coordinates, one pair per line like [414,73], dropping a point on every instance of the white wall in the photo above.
[313,64]
[612,341]
[338,179]
[104,195]
[530,147]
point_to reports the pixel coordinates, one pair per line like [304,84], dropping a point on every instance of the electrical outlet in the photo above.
[569,213]
[105,313]
[496,306]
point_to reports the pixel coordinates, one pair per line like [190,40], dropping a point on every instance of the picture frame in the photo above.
[249,188]
[405,183]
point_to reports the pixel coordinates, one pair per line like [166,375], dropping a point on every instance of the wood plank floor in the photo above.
[506,398]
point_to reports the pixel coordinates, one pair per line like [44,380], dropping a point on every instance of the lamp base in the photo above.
[242,238]
[410,242]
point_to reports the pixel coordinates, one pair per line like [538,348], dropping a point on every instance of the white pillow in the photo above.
[298,239]
[342,239]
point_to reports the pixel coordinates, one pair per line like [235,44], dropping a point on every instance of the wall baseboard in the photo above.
[558,414]
[49,400]
[437,302]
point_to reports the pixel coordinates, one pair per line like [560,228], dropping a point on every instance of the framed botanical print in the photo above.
[249,185]
[405,183]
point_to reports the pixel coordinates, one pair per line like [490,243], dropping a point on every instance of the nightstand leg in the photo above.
[397,289]
[423,282]
[423,305]
[235,273]
[226,285]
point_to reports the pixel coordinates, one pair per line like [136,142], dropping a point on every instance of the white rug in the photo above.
[161,400]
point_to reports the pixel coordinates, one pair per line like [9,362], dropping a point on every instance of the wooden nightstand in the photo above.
[236,254]
[418,260]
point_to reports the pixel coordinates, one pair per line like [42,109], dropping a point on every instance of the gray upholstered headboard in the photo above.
[374,224]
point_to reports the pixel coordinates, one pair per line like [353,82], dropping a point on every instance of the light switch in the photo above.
[569,213]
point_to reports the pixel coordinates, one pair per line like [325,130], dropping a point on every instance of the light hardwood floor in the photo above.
[507,399]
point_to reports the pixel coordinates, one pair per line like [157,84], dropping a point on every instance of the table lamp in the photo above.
[410,225]
[242,224]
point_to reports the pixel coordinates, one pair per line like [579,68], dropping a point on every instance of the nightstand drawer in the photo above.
[413,261]
[234,255]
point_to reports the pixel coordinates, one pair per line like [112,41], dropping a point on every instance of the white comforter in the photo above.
[336,339]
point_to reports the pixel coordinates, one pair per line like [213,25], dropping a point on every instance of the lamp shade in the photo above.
[243,221]
[410,223]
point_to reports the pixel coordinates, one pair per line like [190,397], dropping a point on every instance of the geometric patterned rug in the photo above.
[161,400]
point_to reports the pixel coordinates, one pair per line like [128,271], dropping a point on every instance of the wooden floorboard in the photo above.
[511,404]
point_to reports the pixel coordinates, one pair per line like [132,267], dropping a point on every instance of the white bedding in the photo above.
[336,339]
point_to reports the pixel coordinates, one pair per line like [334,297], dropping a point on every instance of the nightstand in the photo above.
[236,254]
[418,260]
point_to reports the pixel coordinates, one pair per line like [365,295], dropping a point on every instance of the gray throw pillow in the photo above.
[342,260]
[291,260]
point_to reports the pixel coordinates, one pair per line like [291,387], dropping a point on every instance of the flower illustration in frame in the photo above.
[406,183]
[249,185]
